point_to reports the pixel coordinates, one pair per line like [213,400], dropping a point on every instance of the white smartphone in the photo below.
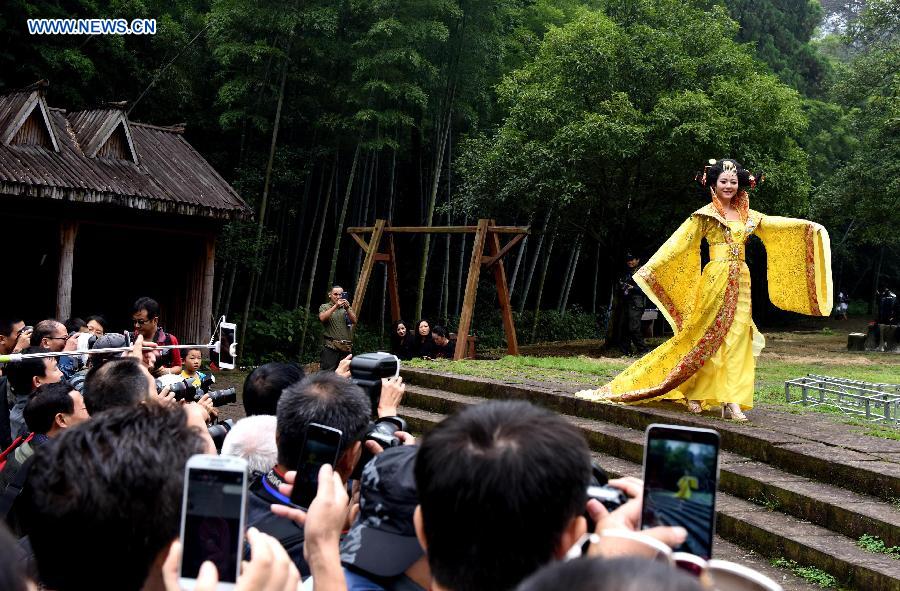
[212,518]
[227,345]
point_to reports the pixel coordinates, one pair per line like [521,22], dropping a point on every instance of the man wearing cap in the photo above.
[381,549]
[633,300]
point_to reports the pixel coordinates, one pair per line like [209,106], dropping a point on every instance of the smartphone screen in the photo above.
[321,446]
[212,520]
[681,471]
[226,340]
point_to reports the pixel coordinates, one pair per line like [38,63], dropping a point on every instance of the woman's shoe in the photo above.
[732,411]
[694,407]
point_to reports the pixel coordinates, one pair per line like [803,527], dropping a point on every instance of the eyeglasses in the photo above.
[139,322]
[65,338]
[720,575]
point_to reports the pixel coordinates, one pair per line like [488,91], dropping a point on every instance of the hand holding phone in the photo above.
[212,518]
[321,446]
[681,474]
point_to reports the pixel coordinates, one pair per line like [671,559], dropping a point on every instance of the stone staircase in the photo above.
[794,486]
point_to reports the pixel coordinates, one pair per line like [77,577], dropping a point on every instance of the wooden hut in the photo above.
[97,210]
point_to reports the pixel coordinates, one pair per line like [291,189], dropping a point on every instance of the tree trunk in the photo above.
[220,291]
[565,278]
[226,308]
[571,278]
[534,260]
[315,256]
[265,195]
[596,274]
[874,303]
[296,262]
[462,265]
[540,292]
[340,225]
[519,256]
[443,135]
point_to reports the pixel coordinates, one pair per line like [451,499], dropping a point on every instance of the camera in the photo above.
[184,390]
[219,431]
[609,496]
[366,371]
[381,432]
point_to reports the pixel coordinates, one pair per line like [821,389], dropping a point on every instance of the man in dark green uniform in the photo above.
[338,319]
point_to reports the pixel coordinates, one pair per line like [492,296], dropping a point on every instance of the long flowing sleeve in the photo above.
[799,264]
[671,276]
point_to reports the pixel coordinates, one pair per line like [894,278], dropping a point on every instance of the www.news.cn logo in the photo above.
[91,26]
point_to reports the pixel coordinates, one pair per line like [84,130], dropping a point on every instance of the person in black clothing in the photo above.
[324,398]
[402,340]
[443,347]
[634,301]
[423,343]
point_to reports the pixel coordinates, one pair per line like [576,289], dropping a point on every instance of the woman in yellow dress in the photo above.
[710,360]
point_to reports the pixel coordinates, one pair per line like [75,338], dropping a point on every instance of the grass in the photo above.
[770,503]
[574,370]
[876,545]
[811,574]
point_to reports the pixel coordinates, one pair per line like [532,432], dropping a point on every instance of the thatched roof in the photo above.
[99,156]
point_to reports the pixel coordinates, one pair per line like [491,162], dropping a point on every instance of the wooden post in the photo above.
[468,308]
[67,234]
[367,267]
[208,267]
[392,281]
[509,326]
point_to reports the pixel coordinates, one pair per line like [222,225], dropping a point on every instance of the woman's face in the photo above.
[401,330]
[727,185]
[94,327]
[424,329]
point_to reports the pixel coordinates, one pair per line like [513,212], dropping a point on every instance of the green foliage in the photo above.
[551,326]
[811,574]
[273,334]
[874,544]
[612,116]
[780,31]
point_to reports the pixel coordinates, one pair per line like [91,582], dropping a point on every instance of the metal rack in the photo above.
[879,403]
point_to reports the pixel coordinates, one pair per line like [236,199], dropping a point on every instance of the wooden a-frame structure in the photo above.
[487,236]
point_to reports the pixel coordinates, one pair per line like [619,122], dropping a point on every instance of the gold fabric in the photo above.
[711,357]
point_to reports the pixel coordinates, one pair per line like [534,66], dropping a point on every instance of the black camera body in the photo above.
[219,431]
[366,371]
[381,432]
[609,496]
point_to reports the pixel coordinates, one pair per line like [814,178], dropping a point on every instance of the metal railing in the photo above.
[879,403]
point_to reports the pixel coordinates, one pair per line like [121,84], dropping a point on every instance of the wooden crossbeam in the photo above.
[360,241]
[491,260]
[365,273]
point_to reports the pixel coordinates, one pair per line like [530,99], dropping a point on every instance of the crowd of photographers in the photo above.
[493,498]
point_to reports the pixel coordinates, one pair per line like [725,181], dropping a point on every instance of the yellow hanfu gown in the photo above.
[711,357]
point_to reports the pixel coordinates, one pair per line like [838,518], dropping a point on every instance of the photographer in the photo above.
[337,318]
[145,316]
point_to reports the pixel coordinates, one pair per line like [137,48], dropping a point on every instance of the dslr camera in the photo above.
[609,496]
[366,371]
[184,390]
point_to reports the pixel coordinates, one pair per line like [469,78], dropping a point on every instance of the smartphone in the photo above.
[681,473]
[212,518]
[321,446]
[227,345]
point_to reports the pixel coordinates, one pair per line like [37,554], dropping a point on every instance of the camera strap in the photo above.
[270,482]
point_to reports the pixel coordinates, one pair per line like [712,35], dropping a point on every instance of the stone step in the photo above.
[792,443]
[769,533]
[834,508]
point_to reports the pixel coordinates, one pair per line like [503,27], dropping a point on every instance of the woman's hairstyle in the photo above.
[708,177]
[418,324]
